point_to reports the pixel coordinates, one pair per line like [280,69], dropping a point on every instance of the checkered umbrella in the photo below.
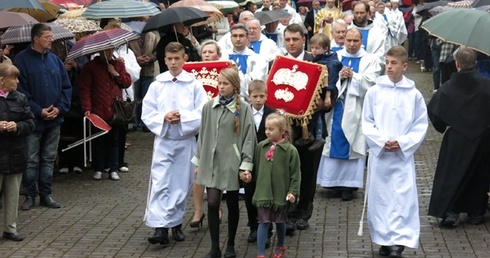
[22,33]
[121,9]
[101,41]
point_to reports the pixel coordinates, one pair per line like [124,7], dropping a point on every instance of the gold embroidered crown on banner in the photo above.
[293,78]
[207,77]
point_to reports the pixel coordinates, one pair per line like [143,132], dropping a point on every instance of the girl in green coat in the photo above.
[278,176]
[224,154]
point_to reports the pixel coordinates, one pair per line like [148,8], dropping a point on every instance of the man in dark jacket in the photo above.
[461,110]
[45,82]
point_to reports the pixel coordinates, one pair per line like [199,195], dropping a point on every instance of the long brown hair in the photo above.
[232,76]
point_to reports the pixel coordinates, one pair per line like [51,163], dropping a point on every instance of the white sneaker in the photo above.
[77,170]
[114,176]
[123,169]
[98,175]
[64,170]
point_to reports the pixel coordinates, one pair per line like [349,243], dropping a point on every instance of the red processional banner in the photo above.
[207,74]
[294,86]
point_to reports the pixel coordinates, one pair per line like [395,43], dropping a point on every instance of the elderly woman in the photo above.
[16,122]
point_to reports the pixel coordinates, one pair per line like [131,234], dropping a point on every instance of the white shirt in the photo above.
[258,117]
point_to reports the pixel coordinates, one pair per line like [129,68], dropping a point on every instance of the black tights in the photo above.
[214,200]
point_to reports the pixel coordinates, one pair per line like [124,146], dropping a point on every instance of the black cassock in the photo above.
[461,109]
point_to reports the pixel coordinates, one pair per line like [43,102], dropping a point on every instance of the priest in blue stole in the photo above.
[344,153]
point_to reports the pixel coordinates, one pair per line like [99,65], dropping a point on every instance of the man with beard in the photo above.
[373,32]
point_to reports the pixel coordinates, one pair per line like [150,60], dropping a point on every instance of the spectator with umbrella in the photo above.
[101,81]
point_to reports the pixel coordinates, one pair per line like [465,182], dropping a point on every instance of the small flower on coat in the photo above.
[270,153]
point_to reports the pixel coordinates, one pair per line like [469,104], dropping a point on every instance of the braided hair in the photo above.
[231,74]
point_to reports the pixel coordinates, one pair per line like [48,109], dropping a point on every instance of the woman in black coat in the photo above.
[16,122]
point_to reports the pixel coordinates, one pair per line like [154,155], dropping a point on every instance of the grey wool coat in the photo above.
[221,154]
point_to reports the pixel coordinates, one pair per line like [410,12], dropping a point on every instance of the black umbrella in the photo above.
[271,16]
[428,6]
[186,15]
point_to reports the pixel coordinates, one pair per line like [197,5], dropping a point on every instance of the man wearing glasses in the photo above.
[44,81]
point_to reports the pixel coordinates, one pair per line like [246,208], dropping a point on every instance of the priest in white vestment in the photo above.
[344,154]
[394,122]
[373,32]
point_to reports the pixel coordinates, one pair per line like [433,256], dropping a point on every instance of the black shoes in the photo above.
[475,219]
[397,253]
[385,250]
[177,233]
[28,203]
[302,224]
[214,254]
[160,237]
[451,220]
[252,237]
[230,252]
[197,223]
[290,228]
[347,195]
[13,236]
[48,201]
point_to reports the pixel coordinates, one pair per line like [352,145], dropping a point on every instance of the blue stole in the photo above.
[339,147]
[365,35]
[272,36]
[240,60]
[335,49]
[386,18]
[255,46]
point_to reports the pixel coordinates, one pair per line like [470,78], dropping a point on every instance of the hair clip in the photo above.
[237,113]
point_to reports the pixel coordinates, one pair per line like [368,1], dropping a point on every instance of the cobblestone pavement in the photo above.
[105,218]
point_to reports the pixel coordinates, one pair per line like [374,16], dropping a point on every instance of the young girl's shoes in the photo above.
[279,253]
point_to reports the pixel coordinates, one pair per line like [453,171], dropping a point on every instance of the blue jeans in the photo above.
[41,152]
[436,71]
[141,87]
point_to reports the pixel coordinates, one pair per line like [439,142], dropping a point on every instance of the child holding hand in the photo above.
[277,175]
[224,153]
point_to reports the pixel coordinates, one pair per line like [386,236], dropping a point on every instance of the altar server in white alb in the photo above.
[394,122]
[172,111]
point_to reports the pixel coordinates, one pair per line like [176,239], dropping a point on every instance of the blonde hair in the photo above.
[282,121]
[257,85]
[211,42]
[8,71]
[232,76]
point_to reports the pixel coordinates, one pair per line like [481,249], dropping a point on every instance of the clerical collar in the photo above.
[239,52]
[225,101]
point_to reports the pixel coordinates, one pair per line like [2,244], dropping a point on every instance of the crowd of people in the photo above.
[235,140]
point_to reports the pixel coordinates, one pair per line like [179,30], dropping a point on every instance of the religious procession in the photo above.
[273,128]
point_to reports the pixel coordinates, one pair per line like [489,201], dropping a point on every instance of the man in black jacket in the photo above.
[461,110]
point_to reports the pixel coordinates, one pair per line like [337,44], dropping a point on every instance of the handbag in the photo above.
[124,111]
